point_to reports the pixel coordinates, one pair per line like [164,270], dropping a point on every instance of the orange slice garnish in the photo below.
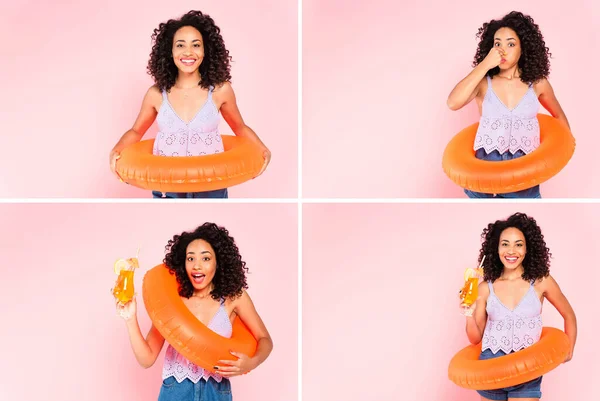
[121,264]
[470,273]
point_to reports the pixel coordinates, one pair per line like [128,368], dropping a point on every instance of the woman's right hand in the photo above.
[114,156]
[494,58]
[468,310]
[128,311]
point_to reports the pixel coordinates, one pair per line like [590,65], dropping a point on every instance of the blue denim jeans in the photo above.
[219,193]
[530,389]
[495,156]
[187,390]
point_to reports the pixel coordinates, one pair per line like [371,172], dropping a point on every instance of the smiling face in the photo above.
[188,49]
[512,248]
[200,264]
[507,40]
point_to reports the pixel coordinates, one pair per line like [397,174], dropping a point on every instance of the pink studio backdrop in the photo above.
[381,319]
[376,76]
[61,337]
[76,76]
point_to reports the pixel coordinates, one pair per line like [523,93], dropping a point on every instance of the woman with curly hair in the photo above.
[191,71]
[212,283]
[507,315]
[509,82]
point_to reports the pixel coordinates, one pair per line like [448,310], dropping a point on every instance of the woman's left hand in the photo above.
[227,368]
[267,156]
[569,356]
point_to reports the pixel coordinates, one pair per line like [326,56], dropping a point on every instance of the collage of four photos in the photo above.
[299,200]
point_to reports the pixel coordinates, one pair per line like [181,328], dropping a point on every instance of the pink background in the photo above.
[61,337]
[381,319]
[376,76]
[74,76]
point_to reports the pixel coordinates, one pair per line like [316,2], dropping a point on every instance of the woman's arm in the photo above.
[476,323]
[549,101]
[244,308]
[467,89]
[233,117]
[144,120]
[553,293]
[146,350]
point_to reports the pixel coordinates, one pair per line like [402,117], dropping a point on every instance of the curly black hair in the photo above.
[230,276]
[215,68]
[534,62]
[536,263]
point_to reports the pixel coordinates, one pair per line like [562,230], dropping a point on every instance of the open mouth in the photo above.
[197,278]
[511,259]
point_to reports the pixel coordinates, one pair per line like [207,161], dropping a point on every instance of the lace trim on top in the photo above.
[180,368]
[512,330]
[505,130]
[197,137]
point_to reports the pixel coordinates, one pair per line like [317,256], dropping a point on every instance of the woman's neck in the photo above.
[512,274]
[203,293]
[187,80]
[510,73]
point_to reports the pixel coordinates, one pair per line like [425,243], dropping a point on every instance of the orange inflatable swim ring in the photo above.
[183,330]
[241,161]
[557,146]
[466,370]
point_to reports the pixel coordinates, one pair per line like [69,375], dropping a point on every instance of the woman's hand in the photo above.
[494,58]
[114,156]
[128,311]
[468,310]
[243,365]
[267,157]
[569,356]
